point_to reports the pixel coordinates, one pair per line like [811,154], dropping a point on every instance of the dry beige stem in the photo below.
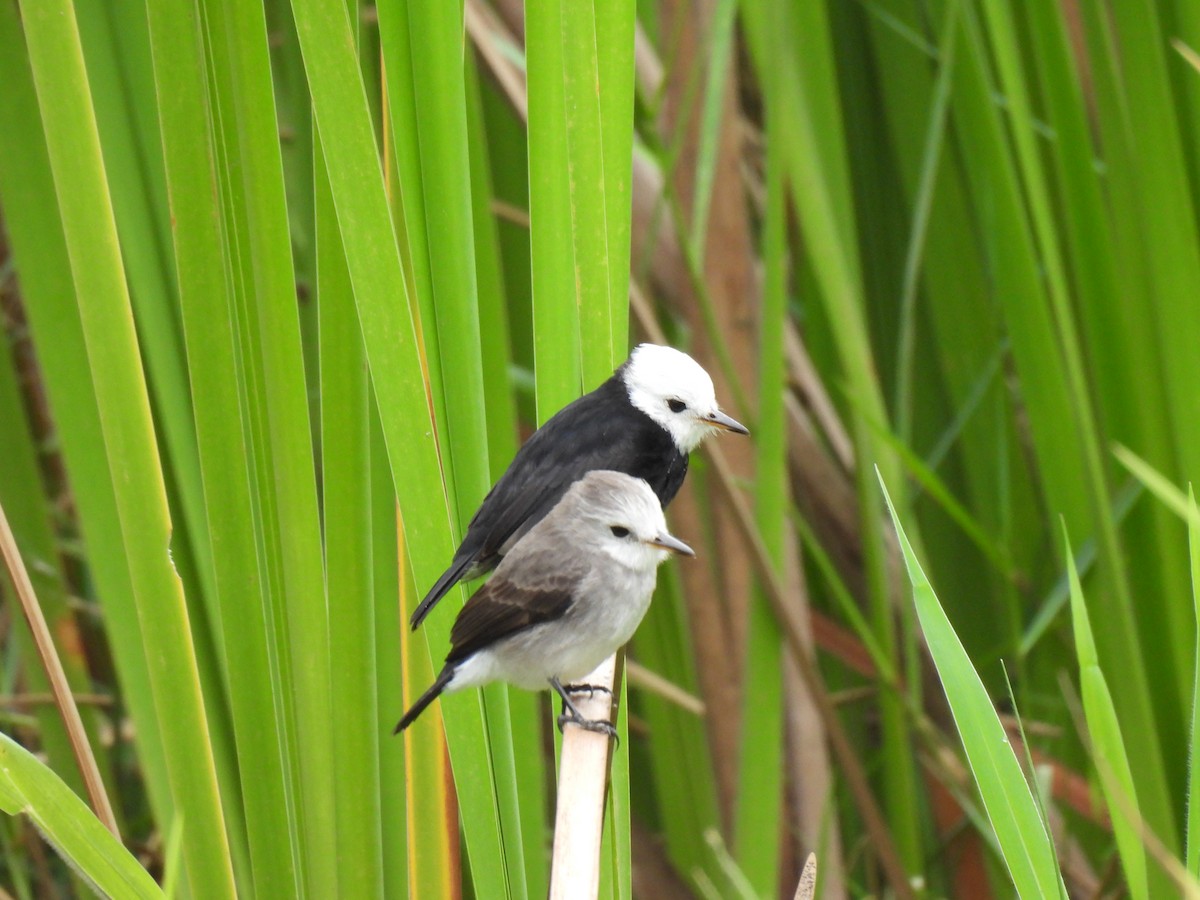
[58,678]
[582,782]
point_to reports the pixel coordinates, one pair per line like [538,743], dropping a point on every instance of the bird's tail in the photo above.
[449,579]
[426,698]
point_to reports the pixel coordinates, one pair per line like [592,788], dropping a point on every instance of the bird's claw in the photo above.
[597,726]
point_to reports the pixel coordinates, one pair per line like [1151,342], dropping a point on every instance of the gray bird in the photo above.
[570,592]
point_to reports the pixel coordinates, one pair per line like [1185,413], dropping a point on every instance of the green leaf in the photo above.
[128,434]
[760,782]
[40,253]
[256,691]
[27,786]
[346,496]
[1024,841]
[1192,852]
[1108,747]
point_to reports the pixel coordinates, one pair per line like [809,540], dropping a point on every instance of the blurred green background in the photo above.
[283,287]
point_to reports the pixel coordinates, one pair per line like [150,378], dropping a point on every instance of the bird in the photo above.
[644,421]
[567,595]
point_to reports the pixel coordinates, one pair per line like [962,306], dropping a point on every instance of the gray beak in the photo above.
[726,423]
[674,544]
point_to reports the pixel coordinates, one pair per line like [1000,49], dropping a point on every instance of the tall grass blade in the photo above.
[39,248]
[1024,841]
[27,786]
[1191,856]
[387,599]
[1108,746]
[345,130]
[812,130]
[615,25]
[432,827]
[586,185]
[120,390]
[1166,210]
[556,327]
[1158,484]
[254,681]
[347,518]
[494,332]
[437,36]
[760,782]
[275,398]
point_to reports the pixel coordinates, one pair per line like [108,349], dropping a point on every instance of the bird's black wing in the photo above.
[558,454]
[600,430]
[502,608]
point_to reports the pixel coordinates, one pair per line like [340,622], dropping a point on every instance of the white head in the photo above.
[673,390]
[619,515]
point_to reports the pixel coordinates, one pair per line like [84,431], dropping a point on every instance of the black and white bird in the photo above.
[570,592]
[643,421]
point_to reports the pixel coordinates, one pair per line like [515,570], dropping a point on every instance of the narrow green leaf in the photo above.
[1157,483]
[615,25]
[431,825]
[792,46]
[1022,836]
[586,184]
[112,353]
[1108,747]
[40,253]
[556,325]
[1192,831]
[345,130]
[719,41]
[253,677]
[1166,209]
[276,405]
[117,53]
[346,508]
[408,191]
[437,35]
[386,595]
[760,776]
[27,786]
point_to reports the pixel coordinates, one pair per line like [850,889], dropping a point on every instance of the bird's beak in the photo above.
[726,423]
[674,544]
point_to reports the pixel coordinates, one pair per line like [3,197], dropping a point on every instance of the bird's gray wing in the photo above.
[503,607]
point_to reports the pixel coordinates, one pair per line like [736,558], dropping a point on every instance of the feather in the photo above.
[600,430]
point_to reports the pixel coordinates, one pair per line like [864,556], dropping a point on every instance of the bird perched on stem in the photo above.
[643,421]
[566,596]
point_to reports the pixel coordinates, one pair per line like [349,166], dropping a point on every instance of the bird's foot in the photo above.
[572,715]
[598,726]
[590,689]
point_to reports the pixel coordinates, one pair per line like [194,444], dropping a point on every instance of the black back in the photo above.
[600,430]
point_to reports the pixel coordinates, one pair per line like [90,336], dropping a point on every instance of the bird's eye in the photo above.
[619,531]
[676,406]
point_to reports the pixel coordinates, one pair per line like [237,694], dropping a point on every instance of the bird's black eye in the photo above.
[676,406]
[619,531]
